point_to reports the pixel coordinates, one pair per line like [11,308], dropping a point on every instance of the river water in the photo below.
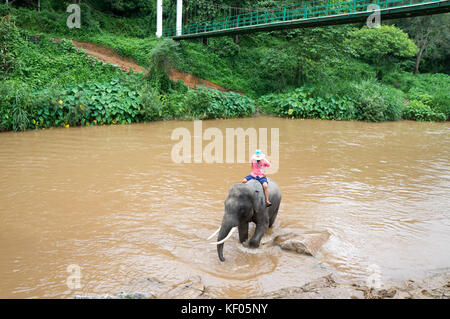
[111,201]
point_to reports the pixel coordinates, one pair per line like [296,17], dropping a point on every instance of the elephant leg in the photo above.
[261,228]
[274,215]
[243,231]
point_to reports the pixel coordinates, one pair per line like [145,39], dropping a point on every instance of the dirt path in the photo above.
[125,64]
[108,55]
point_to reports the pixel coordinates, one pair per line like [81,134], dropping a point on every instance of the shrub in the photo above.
[206,103]
[151,106]
[367,101]
[20,120]
[13,98]
[401,80]
[376,102]
[10,41]
[196,103]
[229,105]
[418,111]
[279,67]
[304,103]
[224,47]
[433,90]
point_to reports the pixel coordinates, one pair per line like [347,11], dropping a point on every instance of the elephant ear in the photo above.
[258,201]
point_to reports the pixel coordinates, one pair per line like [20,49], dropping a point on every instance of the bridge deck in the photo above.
[308,14]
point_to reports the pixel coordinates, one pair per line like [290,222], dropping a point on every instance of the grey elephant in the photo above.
[246,203]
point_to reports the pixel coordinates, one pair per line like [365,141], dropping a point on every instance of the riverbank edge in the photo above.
[436,286]
[432,287]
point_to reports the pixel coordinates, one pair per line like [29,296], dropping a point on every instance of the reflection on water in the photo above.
[110,200]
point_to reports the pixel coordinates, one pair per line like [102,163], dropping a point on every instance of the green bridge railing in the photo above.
[306,10]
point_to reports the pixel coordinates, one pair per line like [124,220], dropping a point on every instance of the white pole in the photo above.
[179,16]
[159,18]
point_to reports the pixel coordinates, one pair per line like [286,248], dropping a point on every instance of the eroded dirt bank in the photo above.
[127,64]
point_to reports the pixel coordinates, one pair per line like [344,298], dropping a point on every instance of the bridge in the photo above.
[306,14]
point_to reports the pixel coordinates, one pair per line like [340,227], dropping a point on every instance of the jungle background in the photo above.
[348,72]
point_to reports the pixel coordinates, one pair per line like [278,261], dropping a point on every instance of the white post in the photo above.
[159,18]
[179,16]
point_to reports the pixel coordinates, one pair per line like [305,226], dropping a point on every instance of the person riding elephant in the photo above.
[247,203]
[259,164]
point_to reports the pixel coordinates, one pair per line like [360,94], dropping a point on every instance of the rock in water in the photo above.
[303,243]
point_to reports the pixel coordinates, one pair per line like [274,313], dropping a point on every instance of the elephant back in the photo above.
[258,194]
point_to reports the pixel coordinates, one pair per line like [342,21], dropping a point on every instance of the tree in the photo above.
[430,33]
[280,67]
[381,46]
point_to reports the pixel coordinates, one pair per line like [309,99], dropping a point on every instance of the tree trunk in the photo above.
[418,58]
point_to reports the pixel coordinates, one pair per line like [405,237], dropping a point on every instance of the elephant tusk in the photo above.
[214,234]
[223,240]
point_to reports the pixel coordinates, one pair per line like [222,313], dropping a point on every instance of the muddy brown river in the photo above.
[111,201]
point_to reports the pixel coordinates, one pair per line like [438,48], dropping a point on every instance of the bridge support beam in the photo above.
[179,17]
[159,18]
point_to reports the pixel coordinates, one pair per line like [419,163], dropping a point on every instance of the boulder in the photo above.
[308,243]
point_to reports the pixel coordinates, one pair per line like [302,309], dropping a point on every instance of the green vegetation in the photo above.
[365,101]
[345,72]
[52,20]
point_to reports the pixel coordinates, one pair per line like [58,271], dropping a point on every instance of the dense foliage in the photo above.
[365,101]
[345,72]
[114,102]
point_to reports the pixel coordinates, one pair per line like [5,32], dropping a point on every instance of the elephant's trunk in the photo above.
[224,232]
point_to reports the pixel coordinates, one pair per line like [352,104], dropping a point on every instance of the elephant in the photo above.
[246,203]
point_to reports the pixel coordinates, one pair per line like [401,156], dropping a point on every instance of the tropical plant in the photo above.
[418,111]
[163,57]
